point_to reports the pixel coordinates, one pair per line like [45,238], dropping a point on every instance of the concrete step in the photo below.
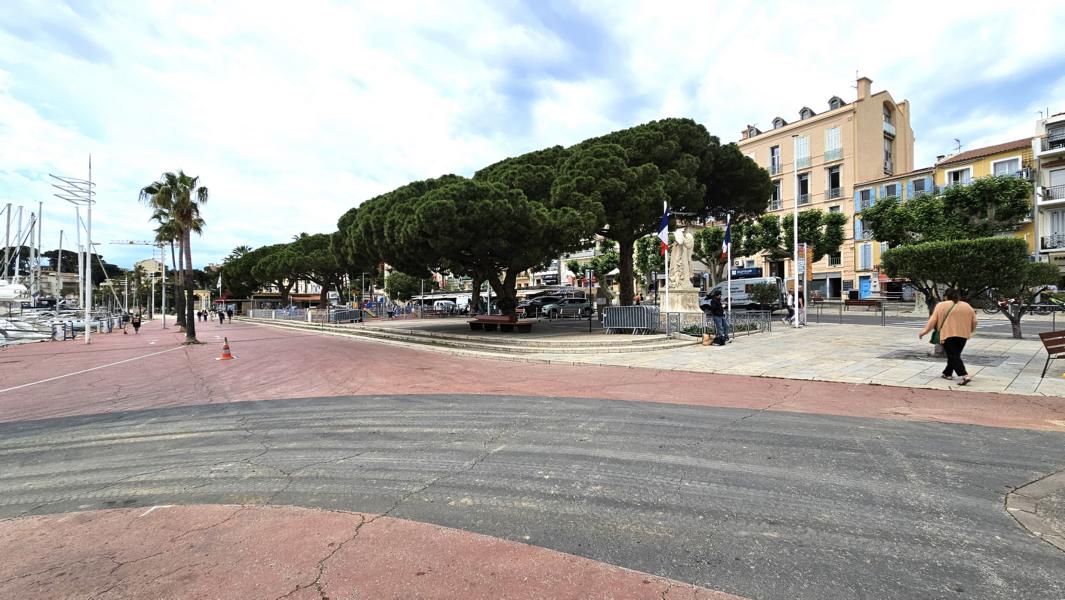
[514,345]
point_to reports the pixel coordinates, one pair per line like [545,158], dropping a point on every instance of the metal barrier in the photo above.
[738,322]
[637,319]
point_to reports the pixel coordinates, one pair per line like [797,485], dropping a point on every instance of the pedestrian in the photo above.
[221,317]
[802,308]
[789,303]
[229,314]
[136,322]
[717,312]
[953,322]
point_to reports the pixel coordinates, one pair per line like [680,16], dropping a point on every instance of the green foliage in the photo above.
[648,256]
[314,260]
[987,206]
[774,234]
[765,294]
[970,266]
[707,250]
[402,287]
[605,261]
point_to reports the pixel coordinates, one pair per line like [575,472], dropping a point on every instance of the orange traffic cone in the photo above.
[226,355]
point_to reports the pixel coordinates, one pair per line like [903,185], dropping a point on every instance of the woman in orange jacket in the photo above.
[956,321]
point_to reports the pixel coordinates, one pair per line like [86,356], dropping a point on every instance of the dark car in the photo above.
[534,306]
[568,307]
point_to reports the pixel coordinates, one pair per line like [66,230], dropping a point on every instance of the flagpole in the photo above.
[665,210]
[728,264]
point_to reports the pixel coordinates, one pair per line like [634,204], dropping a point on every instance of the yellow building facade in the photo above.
[816,161]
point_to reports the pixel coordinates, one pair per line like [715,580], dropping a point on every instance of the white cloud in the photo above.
[291,114]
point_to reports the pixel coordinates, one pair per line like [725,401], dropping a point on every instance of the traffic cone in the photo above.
[226,355]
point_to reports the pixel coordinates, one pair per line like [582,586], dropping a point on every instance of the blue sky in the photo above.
[291,113]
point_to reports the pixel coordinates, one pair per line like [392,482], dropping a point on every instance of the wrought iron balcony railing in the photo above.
[775,168]
[804,199]
[833,154]
[1054,242]
[803,162]
[1053,142]
[1054,192]
[831,193]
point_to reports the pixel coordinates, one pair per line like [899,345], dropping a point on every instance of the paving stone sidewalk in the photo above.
[856,354]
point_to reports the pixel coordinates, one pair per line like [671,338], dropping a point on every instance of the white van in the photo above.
[741,290]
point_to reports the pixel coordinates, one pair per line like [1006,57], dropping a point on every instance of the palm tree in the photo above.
[179,196]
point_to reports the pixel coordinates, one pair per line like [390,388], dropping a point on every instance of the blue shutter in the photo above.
[909,189]
[883,192]
[929,185]
[857,228]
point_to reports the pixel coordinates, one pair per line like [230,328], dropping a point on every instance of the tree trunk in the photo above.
[323,297]
[190,318]
[625,248]
[177,295]
[475,299]
[506,292]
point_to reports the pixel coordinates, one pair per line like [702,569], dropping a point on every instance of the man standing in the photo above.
[229,314]
[717,313]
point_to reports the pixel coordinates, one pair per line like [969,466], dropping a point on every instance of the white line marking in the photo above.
[145,513]
[19,387]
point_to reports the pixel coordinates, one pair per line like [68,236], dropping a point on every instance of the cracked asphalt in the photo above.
[755,503]
[324,467]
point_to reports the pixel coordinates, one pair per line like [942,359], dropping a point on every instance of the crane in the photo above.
[162,263]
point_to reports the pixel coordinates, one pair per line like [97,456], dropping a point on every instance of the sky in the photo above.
[293,112]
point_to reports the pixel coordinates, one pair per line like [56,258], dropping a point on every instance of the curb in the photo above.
[1023,504]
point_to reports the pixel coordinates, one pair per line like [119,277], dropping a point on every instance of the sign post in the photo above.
[588,280]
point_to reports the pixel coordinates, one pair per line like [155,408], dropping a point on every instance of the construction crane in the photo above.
[162,263]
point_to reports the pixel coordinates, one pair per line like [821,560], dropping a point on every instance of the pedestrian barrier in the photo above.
[635,319]
[738,322]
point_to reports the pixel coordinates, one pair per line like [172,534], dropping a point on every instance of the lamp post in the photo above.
[654,282]
[795,225]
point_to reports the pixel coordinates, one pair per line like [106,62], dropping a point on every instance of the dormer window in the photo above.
[806,113]
[835,102]
[752,131]
[779,122]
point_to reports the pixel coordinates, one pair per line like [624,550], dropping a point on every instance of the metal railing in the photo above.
[833,154]
[1054,192]
[739,322]
[865,203]
[802,162]
[835,261]
[1052,142]
[831,193]
[804,199]
[635,319]
[888,166]
[775,204]
[1053,242]
[889,128]
[775,168]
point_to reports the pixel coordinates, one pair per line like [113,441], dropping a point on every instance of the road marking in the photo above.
[19,387]
[145,513]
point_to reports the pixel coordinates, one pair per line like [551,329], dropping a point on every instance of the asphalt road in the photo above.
[862,316]
[763,504]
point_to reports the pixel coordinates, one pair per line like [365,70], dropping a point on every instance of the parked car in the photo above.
[568,307]
[534,306]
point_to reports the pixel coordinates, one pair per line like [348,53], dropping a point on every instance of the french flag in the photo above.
[728,238]
[663,231]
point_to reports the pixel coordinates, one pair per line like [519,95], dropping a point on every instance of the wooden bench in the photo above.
[505,323]
[1054,342]
[863,302]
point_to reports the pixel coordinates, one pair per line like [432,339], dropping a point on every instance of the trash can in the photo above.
[852,294]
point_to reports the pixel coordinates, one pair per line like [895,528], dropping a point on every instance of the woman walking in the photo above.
[953,321]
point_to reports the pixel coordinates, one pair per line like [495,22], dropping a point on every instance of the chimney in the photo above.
[904,107]
[744,133]
[864,87]
[940,157]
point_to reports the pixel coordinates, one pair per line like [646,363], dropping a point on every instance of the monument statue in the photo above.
[680,259]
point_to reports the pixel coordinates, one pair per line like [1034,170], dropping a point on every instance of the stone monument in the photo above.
[683,296]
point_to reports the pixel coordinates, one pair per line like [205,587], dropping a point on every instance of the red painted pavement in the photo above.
[275,363]
[258,552]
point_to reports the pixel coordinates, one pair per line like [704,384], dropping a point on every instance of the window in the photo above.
[887,114]
[779,122]
[749,264]
[959,176]
[918,186]
[1056,189]
[774,160]
[805,113]
[884,247]
[834,179]
[835,102]
[833,144]
[1011,167]
[804,188]
[865,199]
[835,260]
[834,209]
[891,190]
[865,261]
[802,152]
[888,163]
[774,200]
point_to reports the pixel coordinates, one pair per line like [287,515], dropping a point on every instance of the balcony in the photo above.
[1053,192]
[865,203]
[803,162]
[1053,242]
[804,199]
[774,205]
[889,129]
[1052,144]
[832,193]
[775,167]
[835,260]
[867,234]
[833,154]
[888,167]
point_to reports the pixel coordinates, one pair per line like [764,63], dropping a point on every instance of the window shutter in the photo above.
[929,185]
[857,229]
[965,176]
[909,190]
[884,247]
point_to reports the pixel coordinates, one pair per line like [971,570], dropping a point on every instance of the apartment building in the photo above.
[816,160]
[1048,148]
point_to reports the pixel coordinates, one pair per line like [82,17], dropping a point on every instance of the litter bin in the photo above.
[852,294]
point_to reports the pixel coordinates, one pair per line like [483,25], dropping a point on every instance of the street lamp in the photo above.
[654,282]
[795,223]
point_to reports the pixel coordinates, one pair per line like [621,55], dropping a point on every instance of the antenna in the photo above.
[957,145]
